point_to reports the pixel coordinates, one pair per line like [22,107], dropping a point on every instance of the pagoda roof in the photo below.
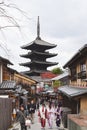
[40,43]
[46,54]
[34,72]
[28,64]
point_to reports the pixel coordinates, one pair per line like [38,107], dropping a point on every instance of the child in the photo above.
[28,122]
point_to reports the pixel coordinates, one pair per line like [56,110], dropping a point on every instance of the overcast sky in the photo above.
[62,22]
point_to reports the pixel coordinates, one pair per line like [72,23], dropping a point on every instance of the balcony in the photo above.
[82,75]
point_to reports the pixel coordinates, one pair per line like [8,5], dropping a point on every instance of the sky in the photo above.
[62,22]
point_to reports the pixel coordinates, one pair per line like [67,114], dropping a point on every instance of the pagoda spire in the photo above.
[38,29]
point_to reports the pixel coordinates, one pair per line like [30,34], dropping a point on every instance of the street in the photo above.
[37,125]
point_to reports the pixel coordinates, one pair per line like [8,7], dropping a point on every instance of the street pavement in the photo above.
[37,125]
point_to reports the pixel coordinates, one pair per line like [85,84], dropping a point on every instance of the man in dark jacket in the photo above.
[32,110]
[21,117]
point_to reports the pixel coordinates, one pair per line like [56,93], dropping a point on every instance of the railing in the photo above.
[81,75]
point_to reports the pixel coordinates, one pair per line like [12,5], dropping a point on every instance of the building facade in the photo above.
[75,94]
[78,68]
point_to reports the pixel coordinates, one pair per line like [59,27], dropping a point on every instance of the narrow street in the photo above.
[37,126]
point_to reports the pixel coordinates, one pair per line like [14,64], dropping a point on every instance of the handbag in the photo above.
[27,122]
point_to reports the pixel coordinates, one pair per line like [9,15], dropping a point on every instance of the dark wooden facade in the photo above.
[5,113]
[78,77]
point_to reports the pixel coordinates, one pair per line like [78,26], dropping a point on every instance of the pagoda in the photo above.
[37,54]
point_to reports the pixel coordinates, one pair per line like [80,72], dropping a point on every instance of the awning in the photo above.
[71,91]
[8,85]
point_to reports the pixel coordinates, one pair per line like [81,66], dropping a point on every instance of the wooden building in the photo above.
[75,94]
[13,87]
[9,76]
[78,68]
[10,80]
[5,72]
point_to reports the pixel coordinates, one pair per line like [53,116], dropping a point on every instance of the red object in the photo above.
[48,75]
[43,122]
[38,113]
[43,109]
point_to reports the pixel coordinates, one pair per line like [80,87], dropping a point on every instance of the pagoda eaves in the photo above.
[30,64]
[38,44]
[34,72]
[40,54]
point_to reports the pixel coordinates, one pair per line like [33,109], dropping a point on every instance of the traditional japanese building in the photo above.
[37,53]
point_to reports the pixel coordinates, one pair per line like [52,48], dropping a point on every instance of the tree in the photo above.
[57,70]
[9,20]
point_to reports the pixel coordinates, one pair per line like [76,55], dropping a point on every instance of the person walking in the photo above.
[58,115]
[32,111]
[28,107]
[51,114]
[42,113]
[21,117]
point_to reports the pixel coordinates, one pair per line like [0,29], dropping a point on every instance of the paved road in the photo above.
[37,125]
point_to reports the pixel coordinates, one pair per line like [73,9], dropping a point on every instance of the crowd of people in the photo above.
[50,113]
[47,113]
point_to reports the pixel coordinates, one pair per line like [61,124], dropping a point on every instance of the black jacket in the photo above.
[32,108]
[20,117]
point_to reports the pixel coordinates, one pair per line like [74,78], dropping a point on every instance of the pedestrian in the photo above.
[58,115]
[26,112]
[51,115]
[28,107]
[21,117]
[32,111]
[42,113]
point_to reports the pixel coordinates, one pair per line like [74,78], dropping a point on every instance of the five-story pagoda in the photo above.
[38,55]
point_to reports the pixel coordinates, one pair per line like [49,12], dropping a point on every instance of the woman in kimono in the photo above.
[42,113]
[58,115]
[51,115]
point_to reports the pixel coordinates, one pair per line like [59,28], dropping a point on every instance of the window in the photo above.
[83,67]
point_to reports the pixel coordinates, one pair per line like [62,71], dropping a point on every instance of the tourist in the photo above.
[51,115]
[58,115]
[42,113]
[32,111]
[21,117]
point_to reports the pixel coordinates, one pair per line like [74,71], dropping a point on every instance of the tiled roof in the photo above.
[5,60]
[8,85]
[46,54]
[71,91]
[39,42]
[76,56]
[39,62]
